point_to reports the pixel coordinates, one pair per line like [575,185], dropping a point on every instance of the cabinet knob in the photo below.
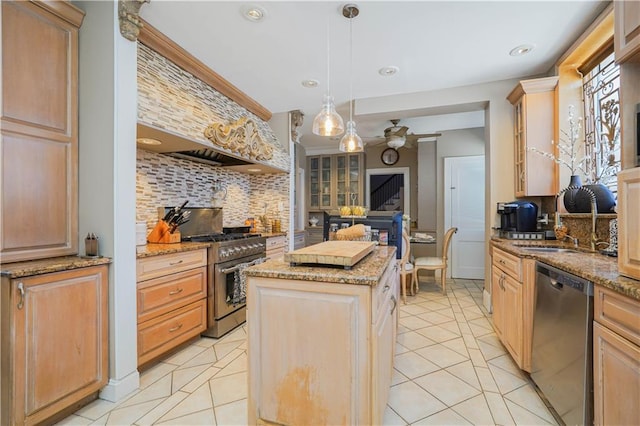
[395,304]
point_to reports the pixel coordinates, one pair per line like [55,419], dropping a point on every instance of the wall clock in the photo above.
[389,156]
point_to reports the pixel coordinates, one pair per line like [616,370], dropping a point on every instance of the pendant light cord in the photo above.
[351,65]
[328,61]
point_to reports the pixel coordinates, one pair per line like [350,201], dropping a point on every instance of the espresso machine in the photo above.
[518,220]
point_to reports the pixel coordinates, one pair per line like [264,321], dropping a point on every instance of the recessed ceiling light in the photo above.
[148,141]
[254,13]
[310,83]
[388,71]
[523,49]
[254,170]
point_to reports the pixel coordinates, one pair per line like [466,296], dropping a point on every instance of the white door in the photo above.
[464,209]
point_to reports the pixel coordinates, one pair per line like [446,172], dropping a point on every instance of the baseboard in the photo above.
[117,389]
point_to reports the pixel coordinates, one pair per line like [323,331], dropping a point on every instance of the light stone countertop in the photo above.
[598,268]
[366,272]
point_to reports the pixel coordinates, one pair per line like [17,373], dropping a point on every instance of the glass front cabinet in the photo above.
[335,180]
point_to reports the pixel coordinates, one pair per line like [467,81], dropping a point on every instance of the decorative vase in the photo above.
[570,195]
[605,200]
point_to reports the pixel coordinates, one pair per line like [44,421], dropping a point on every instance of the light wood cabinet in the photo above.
[275,247]
[629,222]
[512,297]
[616,358]
[627,30]
[534,115]
[320,352]
[39,136]
[54,342]
[171,293]
[332,179]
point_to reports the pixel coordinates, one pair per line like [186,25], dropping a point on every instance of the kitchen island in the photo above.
[321,341]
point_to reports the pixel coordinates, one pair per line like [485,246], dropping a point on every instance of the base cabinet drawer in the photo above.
[167,331]
[158,266]
[161,295]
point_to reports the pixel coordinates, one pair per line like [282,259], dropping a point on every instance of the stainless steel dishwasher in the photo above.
[561,359]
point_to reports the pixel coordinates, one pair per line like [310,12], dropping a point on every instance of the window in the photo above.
[601,87]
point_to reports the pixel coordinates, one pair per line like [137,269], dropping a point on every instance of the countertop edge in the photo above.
[49,265]
[600,269]
[153,249]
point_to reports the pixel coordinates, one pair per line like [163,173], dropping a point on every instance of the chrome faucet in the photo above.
[594,212]
[574,240]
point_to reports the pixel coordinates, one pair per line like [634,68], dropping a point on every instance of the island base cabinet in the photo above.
[54,342]
[616,363]
[317,354]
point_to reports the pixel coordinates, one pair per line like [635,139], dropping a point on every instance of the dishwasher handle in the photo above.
[560,279]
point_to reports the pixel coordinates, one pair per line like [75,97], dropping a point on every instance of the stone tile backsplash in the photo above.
[162,180]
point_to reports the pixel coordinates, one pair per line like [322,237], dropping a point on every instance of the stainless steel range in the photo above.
[228,255]
[231,250]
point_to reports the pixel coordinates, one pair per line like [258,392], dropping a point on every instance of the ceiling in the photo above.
[435,45]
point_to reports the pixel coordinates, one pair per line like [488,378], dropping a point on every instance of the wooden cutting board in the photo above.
[340,253]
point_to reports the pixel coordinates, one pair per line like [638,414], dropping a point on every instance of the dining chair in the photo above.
[435,263]
[406,267]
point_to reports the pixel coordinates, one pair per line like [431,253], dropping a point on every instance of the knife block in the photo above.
[160,234]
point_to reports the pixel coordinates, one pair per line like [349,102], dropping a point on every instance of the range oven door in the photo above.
[224,283]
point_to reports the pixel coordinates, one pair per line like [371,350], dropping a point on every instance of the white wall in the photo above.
[107,157]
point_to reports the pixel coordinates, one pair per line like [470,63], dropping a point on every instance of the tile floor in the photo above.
[450,369]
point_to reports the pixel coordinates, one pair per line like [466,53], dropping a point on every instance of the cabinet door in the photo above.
[355,179]
[629,222]
[314,182]
[326,380]
[627,29]
[320,188]
[60,325]
[519,140]
[39,139]
[616,381]
[512,331]
[497,300]
[326,187]
[382,351]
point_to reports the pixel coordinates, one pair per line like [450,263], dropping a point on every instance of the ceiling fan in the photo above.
[396,136]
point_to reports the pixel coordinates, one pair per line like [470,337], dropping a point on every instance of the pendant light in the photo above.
[351,142]
[328,122]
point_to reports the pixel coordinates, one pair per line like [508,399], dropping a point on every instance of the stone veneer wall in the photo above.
[162,180]
[173,99]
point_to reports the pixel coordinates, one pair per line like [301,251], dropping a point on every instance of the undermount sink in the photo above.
[548,249]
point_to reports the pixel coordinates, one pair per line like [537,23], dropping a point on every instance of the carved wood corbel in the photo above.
[241,137]
[128,15]
[297,118]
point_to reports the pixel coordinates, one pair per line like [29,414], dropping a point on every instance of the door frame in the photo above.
[406,171]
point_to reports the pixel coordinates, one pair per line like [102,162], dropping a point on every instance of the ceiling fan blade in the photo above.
[416,136]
